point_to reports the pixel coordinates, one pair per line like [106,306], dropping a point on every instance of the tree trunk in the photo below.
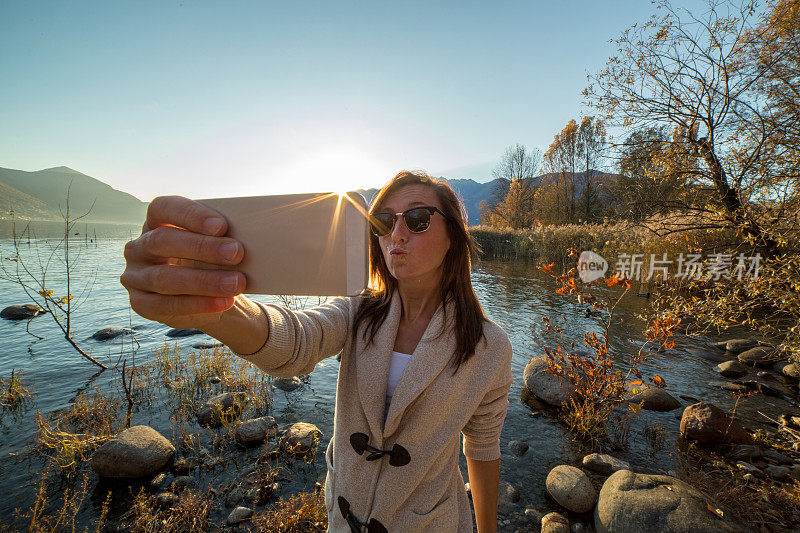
[732,203]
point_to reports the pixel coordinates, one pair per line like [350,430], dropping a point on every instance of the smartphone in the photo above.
[299,244]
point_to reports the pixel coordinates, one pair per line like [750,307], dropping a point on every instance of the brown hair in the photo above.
[456,285]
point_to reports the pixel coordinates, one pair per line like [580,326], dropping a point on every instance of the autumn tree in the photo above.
[689,72]
[591,143]
[516,179]
[561,160]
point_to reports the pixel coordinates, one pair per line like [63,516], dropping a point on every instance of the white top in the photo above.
[396,367]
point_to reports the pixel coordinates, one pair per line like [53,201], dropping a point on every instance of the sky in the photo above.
[234,98]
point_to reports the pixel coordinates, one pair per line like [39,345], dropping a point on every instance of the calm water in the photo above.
[516,296]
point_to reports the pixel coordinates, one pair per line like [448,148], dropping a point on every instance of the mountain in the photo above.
[42,195]
[470,191]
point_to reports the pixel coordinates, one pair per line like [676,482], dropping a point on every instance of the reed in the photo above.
[551,243]
[14,396]
[189,514]
[303,512]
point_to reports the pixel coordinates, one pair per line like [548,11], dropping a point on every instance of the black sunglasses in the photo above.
[417,220]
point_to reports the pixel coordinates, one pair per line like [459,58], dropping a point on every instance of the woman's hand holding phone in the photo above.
[160,280]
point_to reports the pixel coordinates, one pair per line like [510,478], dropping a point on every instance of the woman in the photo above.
[421,364]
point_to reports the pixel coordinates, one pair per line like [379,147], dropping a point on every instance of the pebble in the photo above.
[748,468]
[533,516]
[165,499]
[555,523]
[774,456]
[287,384]
[518,447]
[777,472]
[240,514]
[604,464]
[181,482]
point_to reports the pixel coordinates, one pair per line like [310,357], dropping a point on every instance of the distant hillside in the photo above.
[471,192]
[42,195]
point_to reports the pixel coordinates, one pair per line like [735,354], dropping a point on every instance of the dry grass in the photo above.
[60,512]
[762,502]
[67,438]
[303,512]
[550,243]
[189,514]
[14,396]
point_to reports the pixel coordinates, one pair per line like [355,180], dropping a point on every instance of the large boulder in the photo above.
[708,424]
[759,356]
[552,389]
[633,503]
[21,312]
[571,488]
[222,408]
[139,451]
[300,439]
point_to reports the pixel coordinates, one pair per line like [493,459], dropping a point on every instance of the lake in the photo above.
[515,295]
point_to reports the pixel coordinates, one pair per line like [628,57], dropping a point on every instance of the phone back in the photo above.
[300,244]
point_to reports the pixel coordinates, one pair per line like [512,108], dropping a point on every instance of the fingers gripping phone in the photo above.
[299,244]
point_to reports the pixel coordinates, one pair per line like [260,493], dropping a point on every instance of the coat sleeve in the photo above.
[298,340]
[481,435]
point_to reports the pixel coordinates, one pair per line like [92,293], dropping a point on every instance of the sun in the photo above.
[338,169]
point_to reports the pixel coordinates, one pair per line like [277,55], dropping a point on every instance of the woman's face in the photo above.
[414,256]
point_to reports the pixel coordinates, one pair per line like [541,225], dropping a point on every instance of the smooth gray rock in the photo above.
[655,399]
[183,332]
[139,451]
[758,356]
[570,487]
[552,389]
[106,334]
[221,408]
[255,430]
[21,312]
[206,345]
[777,472]
[238,515]
[632,503]
[604,464]
[287,384]
[774,456]
[732,369]
[555,523]
[737,346]
[300,439]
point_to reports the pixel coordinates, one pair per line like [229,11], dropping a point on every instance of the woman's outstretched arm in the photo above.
[484,481]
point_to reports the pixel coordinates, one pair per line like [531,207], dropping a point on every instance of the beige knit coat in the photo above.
[430,410]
